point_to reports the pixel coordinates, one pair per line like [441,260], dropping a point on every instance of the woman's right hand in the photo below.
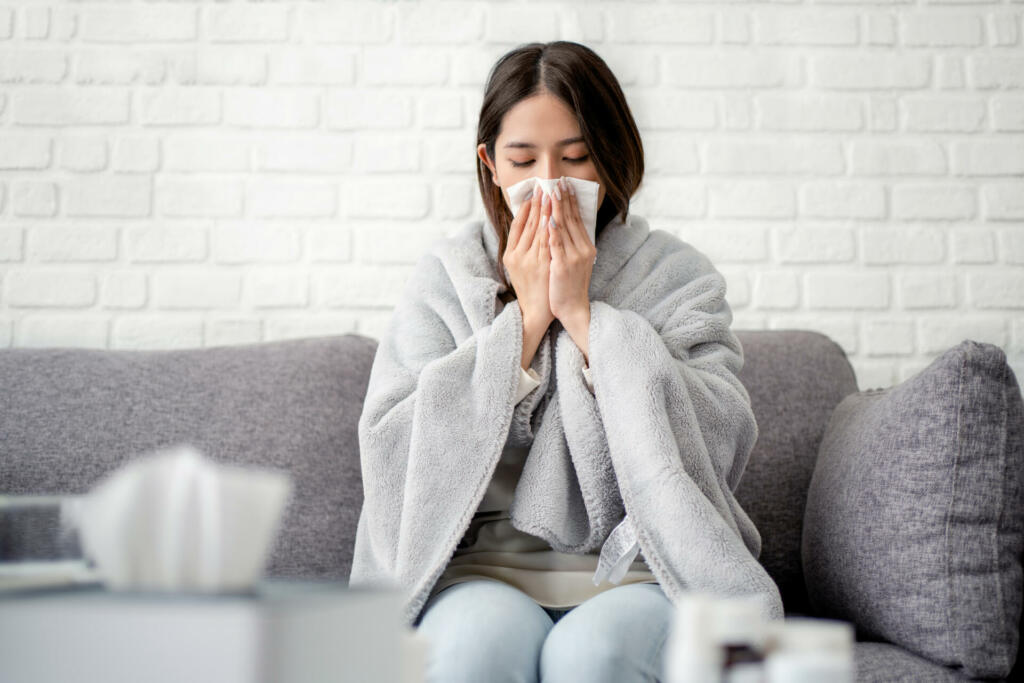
[528,259]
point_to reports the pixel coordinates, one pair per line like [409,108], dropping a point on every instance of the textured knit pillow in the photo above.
[913,525]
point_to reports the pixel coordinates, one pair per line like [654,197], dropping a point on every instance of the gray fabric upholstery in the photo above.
[69,416]
[795,378]
[914,526]
[886,663]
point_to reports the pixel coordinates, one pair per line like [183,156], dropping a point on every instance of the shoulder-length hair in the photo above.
[580,78]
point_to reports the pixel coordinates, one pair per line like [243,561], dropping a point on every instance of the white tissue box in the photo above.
[283,631]
[176,520]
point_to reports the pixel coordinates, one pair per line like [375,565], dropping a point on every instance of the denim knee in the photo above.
[483,630]
[618,635]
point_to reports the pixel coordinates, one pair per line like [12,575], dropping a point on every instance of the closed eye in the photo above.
[580,160]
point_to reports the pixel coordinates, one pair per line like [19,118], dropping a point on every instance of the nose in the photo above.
[551,169]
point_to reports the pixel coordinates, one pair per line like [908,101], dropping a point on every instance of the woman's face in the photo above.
[539,137]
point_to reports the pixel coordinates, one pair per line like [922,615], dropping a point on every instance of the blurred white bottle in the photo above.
[740,634]
[809,650]
[691,653]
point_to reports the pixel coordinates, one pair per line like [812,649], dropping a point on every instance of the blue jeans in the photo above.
[483,630]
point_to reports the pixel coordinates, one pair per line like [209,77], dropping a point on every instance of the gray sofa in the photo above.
[69,416]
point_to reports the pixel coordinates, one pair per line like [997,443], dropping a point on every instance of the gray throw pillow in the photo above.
[914,524]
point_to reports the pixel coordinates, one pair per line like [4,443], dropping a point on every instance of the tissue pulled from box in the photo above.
[177,521]
[586,198]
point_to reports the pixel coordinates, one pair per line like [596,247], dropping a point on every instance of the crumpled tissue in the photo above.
[177,521]
[586,198]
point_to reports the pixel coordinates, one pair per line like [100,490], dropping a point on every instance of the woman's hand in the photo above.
[528,260]
[572,259]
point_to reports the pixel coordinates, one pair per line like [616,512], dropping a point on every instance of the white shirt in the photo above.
[530,380]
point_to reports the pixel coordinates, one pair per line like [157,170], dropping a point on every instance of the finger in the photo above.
[561,216]
[543,240]
[544,215]
[557,242]
[580,237]
[530,230]
[516,229]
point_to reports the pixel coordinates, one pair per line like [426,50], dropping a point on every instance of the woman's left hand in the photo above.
[572,257]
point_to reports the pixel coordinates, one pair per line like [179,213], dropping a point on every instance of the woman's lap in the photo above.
[488,630]
[483,631]
[617,635]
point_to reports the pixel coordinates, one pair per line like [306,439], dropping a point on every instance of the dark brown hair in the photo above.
[579,77]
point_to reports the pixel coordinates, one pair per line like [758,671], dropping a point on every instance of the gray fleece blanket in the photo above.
[653,455]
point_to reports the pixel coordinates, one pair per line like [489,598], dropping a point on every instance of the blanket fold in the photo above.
[647,462]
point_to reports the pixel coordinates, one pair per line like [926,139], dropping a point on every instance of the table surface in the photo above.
[270,590]
[281,630]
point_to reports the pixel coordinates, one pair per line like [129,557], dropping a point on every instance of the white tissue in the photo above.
[176,521]
[586,198]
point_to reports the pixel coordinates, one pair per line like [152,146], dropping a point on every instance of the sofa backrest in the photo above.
[70,416]
[795,379]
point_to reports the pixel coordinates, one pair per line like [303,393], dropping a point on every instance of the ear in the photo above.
[481,151]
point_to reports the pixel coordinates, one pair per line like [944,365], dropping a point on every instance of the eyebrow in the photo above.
[560,143]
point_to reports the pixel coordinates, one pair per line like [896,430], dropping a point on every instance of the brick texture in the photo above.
[197,174]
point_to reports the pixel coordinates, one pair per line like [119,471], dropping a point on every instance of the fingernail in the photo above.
[558,195]
[529,196]
[545,200]
[551,221]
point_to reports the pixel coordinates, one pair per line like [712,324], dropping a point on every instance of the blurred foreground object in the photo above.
[174,520]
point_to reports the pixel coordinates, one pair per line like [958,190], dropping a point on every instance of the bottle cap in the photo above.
[738,620]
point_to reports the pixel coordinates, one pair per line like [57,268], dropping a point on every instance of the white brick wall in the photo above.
[177,174]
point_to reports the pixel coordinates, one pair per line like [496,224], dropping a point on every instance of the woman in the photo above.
[532,424]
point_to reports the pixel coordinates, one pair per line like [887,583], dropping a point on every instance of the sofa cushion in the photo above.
[70,416]
[795,379]
[884,663]
[913,526]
